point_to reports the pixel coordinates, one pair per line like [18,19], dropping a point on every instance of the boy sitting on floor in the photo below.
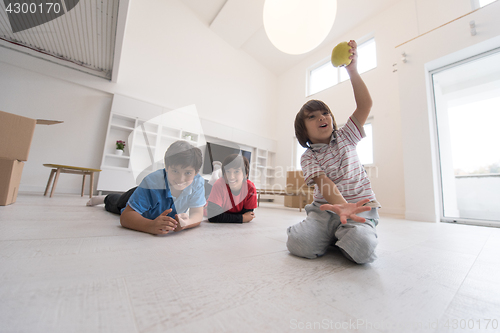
[233,197]
[159,204]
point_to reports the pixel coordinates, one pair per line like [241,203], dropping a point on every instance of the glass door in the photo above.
[467,111]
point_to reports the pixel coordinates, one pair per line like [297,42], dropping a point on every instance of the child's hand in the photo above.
[183,221]
[353,66]
[248,216]
[348,210]
[163,224]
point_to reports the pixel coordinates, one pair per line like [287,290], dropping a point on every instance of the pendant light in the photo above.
[298,26]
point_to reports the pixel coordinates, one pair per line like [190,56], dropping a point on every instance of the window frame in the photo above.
[340,78]
[476,4]
[369,120]
[296,155]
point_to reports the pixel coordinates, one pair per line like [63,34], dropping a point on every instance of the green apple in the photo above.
[341,54]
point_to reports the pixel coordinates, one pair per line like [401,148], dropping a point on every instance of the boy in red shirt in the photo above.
[233,197]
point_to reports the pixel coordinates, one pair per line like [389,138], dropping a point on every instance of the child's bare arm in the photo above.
[329,190]
[361,94]
[189,221]
[348,210]
[161,225]
[338,204]
[248,216]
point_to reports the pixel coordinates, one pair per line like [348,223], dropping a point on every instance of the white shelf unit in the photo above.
[263,170]
[146,142]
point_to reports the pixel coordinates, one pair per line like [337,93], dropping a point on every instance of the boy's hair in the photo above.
[300,126]
[184,154]
[236,161]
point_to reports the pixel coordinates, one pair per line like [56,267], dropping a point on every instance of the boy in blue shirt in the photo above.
[159,204]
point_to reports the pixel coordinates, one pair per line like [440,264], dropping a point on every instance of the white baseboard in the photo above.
[392,212]
[60,190]
[421,217]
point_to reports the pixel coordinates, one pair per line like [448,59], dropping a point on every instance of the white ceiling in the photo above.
[239,22]
[81,35]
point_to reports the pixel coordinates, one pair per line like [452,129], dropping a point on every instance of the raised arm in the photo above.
[361,93]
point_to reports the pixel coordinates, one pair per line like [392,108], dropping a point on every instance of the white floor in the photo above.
[65,267]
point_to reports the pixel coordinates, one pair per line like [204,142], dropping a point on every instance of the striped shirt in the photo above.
[339,161]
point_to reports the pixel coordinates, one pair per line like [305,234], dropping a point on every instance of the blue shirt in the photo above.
[152,197]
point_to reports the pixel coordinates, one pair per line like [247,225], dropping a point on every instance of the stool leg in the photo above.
[83,183]
[300,202]
[50,180]
[91,184]
[55,182]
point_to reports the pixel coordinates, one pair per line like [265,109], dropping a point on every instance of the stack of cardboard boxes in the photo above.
[16,133]
[294,182]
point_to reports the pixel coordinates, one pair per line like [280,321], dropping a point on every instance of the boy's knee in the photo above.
[358,243]
[360,257]
[300,246]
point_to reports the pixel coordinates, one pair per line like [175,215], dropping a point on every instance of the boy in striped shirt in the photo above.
[344,210]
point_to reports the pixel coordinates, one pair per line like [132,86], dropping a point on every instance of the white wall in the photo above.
[78,141]
[406,182]
[169,58]
[440,47]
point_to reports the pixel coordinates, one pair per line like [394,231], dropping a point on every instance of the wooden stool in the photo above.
[58,169]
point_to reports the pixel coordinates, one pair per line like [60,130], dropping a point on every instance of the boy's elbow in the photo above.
[125,218]
[123,221]
[367,105]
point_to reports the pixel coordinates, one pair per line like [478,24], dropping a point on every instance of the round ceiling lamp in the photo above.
[298,26]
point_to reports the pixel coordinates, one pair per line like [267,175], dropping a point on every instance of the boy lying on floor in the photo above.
[160,203]
[233,197]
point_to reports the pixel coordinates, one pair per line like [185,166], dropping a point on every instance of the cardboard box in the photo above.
[294,180]
[16,133]
[294,202]
[10,177]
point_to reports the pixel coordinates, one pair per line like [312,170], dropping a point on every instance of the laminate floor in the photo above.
[65,267]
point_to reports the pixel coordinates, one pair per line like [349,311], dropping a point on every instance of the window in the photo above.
[466,104]
[483,3]
[480,3]
[299,150]
[364,148]
[324,75]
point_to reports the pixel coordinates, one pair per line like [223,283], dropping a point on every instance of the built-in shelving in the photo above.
[146,144]
[148,130]
[263,171]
